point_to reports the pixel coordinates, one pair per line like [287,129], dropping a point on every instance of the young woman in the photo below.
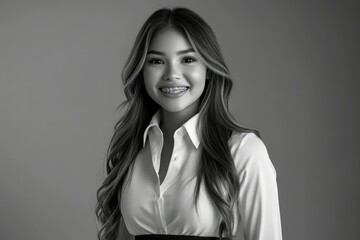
[179,166]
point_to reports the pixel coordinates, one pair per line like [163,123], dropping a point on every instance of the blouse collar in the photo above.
[190,126]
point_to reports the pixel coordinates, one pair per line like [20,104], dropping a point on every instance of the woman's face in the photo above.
[174,75]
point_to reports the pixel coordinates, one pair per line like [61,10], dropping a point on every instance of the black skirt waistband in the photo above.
[174,237]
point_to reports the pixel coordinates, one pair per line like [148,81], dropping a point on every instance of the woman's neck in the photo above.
[171,121]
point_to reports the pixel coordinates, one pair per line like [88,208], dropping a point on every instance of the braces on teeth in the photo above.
[173,90]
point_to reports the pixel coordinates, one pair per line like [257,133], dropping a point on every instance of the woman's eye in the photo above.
[155,61]
[188,60]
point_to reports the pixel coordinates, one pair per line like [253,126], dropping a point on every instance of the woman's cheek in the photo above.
[196,74]
[151,75]
[155,73]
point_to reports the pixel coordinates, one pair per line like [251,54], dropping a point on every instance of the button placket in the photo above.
[177,141]
[173,168]
[160,203]
[157,217]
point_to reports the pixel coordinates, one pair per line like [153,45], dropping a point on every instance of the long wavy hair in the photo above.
[216,168]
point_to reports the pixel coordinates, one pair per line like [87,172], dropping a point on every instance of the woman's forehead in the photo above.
[169,40]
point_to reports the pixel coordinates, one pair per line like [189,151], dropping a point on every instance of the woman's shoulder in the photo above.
[249,152]
[247,140]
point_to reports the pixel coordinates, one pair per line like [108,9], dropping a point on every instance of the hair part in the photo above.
[216,167]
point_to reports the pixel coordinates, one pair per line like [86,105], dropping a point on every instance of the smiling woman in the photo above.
[179,166]
[173,76]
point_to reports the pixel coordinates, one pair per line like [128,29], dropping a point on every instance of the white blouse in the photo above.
[149,207]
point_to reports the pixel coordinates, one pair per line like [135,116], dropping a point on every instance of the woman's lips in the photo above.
[174,90]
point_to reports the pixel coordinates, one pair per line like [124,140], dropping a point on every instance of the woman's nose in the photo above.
[172,72]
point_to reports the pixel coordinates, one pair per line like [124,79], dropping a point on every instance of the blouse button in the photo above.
[176,158]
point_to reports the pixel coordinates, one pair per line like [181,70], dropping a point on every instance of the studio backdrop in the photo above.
[295,66]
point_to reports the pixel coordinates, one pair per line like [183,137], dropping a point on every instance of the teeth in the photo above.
[173,89]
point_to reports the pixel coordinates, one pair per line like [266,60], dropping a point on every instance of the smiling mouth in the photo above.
[173,90]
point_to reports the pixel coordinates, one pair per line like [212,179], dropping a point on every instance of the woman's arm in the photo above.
[258,201]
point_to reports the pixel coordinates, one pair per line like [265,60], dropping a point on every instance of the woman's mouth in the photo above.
[174,90]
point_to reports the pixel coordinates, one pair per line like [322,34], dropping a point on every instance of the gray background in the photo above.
[296,71]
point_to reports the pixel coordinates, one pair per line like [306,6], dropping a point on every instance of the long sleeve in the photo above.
[258,202]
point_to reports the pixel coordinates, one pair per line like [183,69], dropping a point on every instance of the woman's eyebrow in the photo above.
[181,52]
[185,51]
